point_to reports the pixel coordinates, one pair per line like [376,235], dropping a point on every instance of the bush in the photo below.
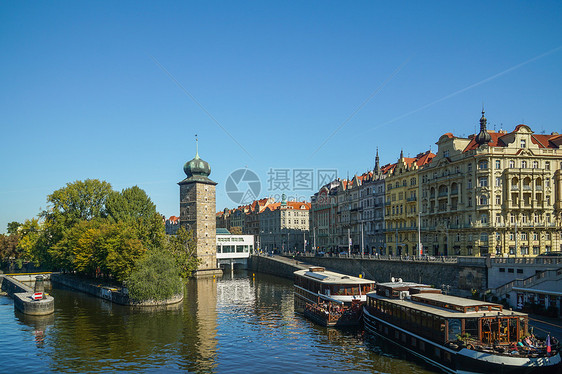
[154,277]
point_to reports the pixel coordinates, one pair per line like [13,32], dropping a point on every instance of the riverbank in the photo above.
[113,293]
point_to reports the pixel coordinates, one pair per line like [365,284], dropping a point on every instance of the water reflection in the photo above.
[238,323]
[38,324]
[200,326]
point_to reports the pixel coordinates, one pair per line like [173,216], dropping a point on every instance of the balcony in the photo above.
[412,198]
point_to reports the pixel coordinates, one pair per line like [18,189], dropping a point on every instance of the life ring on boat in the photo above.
[470,346]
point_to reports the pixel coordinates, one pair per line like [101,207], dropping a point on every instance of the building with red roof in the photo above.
[493,193]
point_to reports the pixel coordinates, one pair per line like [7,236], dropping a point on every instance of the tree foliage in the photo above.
[32,241]
[9,247]
[79,200]
[98,247]
[13,227]
[183,248]
[133,207]
[236,230]
[155,277]
[90,229]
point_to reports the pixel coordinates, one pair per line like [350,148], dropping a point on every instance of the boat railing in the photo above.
[523,348]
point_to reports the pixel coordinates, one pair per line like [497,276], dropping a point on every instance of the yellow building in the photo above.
[401,204]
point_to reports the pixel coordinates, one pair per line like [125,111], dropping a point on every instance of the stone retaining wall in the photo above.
[280,267]
[106,292]
[12,286]
[461,278]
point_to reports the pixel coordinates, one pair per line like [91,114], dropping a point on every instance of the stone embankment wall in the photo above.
[460,277]
[279,266]
[12,286]
[108,293]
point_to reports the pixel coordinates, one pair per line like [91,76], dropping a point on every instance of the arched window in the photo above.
[483,200]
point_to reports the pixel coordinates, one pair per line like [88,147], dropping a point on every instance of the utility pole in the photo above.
[348,242]
[419,235]
[314,238]
[362,242]
[515,237]
[396,237]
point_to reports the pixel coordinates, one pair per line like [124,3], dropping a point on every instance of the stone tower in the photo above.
[197,213]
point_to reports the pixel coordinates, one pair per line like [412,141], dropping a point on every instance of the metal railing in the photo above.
[530,281]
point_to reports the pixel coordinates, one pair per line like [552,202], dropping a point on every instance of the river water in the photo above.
[238,323]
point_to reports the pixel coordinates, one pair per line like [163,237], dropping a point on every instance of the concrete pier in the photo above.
[22,295]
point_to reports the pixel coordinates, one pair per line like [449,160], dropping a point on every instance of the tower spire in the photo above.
[377,167]
[483,136]
[196,146]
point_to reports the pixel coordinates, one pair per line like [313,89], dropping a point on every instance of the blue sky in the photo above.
[92,89]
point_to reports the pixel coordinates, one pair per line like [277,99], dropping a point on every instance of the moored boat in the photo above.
[329,298]
[456,334]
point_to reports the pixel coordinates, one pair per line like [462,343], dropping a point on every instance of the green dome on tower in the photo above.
[197,170]
[197,166]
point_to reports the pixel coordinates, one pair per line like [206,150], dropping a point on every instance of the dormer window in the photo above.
[523,143]
[446,153]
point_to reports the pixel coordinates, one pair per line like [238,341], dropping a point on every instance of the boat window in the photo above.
[454,328]
[471,327]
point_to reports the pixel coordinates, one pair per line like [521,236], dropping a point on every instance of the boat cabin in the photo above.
[319,280]
[444,318]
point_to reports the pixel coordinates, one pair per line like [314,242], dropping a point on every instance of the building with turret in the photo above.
[493,193]
[197,213]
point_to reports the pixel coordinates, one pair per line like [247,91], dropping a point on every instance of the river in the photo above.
[238,323]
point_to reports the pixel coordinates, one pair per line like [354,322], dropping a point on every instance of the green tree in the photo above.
[32,242]
[133,207]
[13,227]
[236,230]
[98,247]
[155,277]
[183,248]
[80,200]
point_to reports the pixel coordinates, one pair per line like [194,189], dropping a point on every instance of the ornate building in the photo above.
[197,212]
[495,193]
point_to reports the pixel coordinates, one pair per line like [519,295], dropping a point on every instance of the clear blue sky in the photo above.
[82,94]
